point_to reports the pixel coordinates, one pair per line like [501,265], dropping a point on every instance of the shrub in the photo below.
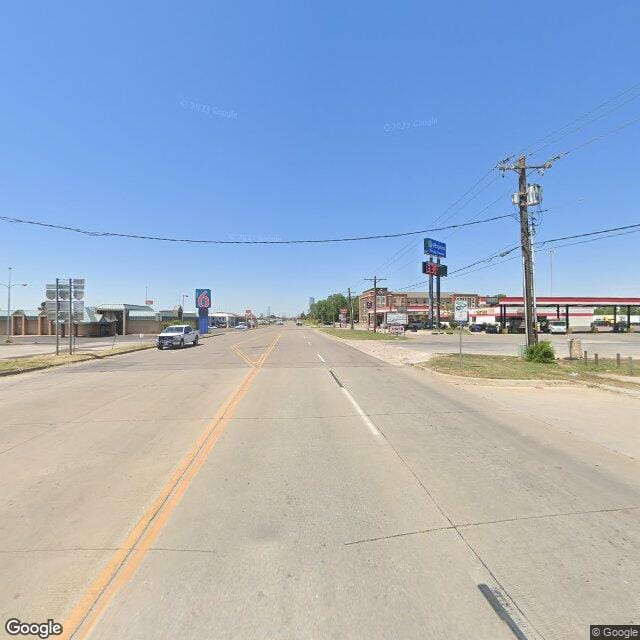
[541,352]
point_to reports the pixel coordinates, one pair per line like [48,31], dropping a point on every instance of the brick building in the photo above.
[414,303]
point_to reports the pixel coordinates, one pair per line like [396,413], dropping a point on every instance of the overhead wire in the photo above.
[113,234]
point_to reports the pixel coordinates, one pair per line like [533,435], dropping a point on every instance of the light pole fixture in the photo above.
[10,286]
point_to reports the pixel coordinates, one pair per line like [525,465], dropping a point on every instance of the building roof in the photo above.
[586,301]
[121,306]
[91,316]
[29,313]
[139,314]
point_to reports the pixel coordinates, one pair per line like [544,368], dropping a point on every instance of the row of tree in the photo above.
[328,310]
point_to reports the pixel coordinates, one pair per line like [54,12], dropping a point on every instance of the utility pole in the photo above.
[521,168]
[350,307]
[375,280]
[527,257]
[551,253]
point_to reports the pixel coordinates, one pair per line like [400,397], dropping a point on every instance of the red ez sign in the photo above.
[434,269]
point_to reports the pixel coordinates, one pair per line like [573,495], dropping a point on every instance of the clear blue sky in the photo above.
[98,131]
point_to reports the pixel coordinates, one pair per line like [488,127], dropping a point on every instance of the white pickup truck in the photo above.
[177,335]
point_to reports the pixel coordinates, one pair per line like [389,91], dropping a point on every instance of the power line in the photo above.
[112,234]
[627,229]
[590,233]
[578,118]
[405,249]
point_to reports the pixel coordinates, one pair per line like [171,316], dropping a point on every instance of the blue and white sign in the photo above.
[435,248]
[203,298]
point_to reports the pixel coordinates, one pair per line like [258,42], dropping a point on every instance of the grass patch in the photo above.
[495,367]
[515,368]
[347,334]
[30,363]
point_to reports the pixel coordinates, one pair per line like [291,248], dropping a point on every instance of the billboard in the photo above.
[203,298]
[397,318]
[435,248]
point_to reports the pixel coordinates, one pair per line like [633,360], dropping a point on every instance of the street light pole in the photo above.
[551,252]
[9,308]
[9,287]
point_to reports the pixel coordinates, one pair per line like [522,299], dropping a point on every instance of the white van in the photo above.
[557,326]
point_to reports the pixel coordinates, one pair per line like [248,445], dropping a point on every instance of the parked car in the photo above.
[241,325]
[476,328]
[177,335]
[493,328]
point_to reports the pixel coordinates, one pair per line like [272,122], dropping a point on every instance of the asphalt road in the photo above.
[280,484]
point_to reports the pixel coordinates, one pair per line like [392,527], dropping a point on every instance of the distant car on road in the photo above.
[279,322]
[298,322]
[241,325]
[177,335]
[557,326]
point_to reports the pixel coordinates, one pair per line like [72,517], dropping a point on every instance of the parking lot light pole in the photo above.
[9,286]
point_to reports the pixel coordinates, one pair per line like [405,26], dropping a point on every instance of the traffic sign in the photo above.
[369,304]
[435,248]
[461,311]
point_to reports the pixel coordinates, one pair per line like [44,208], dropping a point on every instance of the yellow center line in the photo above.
[237,351]
[245,356]
[128,558]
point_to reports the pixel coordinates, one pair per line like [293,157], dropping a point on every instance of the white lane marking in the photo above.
[308,343]
[362,414]
[321,358]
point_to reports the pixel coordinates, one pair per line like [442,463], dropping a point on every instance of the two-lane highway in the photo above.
[280,484]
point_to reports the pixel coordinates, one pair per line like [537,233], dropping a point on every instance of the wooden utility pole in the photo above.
[350,307]
[527,255]
[375,280]
[530,319]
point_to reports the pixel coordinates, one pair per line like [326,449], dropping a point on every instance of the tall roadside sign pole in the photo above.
[375,280]
[438,296]
[527,195]
[431,268]
[57,316]
[430,292]
[70,317]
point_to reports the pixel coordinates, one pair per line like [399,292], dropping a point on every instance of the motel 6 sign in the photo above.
[203,298]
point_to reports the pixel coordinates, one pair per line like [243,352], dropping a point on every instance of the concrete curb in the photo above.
[497,382]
